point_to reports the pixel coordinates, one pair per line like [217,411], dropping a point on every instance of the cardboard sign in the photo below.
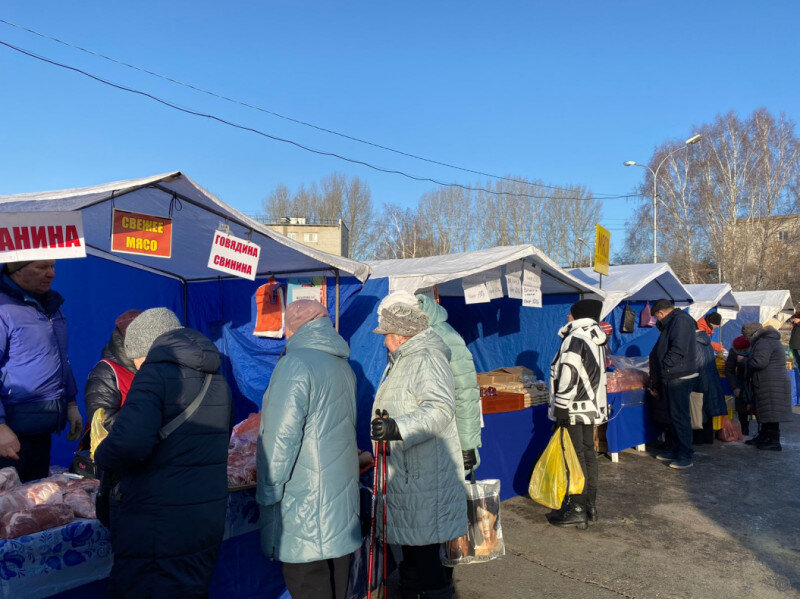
[532,286]
[313,288]
[602,249]
[143,234]
[41,236]
[234,256]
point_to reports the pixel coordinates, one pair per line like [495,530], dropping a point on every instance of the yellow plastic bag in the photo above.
[549,479]
[717,422]
[99,431]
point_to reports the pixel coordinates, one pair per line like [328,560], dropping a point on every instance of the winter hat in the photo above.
[662,304]
[714,319]
[125,319]
[12,267]
[750,328]
[741,343]
[398,317]
[146,328]
[586,308]
[299,312]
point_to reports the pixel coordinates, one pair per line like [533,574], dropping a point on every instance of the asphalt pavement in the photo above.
[729,527]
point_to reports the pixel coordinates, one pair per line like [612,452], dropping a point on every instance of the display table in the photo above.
[74,560]
[629,423]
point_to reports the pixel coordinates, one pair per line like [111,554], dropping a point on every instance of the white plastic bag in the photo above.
[484,539]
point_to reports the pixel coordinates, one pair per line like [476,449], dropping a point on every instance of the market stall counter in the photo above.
[75,560]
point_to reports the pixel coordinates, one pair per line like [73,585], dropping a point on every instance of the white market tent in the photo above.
[446,271]
[636,282]
[176,195]
[766,304]
[712,295]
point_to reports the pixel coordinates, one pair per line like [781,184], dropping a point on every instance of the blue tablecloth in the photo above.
[629,422]
[74,560]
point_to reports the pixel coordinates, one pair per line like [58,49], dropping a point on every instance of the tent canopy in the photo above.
[770,303]
[197,213]
[636,282]
[711,295]
[413,274]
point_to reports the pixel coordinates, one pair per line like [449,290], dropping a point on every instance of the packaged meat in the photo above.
[35,519]
[626,379]
[81,503]
[46,492]
[8,478]
[15,500]
[88,485]
[241,468]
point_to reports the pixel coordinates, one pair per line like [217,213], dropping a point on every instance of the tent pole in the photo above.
[336,322]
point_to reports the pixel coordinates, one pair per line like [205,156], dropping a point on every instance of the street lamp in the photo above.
[692,140]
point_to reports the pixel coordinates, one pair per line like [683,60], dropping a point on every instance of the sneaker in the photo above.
[666,456]
[681,464]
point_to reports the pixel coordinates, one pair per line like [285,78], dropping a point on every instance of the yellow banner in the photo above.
[602,249]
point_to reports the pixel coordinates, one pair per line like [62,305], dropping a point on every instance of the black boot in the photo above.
[591,510]
[574,515]
[772,441]
[443,593]
[760,437]
[745,426]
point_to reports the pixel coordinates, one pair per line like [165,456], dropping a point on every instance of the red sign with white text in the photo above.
[143,234]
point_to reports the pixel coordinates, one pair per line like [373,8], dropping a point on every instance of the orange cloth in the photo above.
[270,310]
[702,325]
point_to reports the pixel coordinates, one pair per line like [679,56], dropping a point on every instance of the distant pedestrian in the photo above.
[739,380]
[578,402]
[794,340]
[771,387]
[708,382]
[673,373]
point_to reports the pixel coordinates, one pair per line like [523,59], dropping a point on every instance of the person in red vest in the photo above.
[112,376]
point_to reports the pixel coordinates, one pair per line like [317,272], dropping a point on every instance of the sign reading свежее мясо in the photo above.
[143,234]
[41,236]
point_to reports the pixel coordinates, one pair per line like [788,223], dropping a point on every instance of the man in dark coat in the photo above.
[673,373]
[771,387]
[168,510]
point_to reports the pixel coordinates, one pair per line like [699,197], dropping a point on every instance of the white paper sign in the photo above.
[514,280]
[41,236]
[475,291]
[494,286]
[532,286]
[234,256]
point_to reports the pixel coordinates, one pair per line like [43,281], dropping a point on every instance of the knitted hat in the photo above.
[299,312]
[714,319]
[741,343]
[398,297]
[398,317]
[750,328]
[662,304]
[586,308]
[125,319]
[12,267]
[146,328]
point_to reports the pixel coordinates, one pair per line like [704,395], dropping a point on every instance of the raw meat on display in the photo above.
[8,478]
[81,503]
[35,519]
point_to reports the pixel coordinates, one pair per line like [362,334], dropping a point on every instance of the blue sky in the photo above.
[560,91]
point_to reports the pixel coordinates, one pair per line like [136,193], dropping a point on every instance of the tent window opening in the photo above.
[310,237]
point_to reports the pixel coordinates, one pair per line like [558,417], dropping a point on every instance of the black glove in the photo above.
[562,416]
[385,429]
[470,459]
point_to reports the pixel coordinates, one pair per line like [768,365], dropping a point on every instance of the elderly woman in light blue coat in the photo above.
[308,458]
[426,497]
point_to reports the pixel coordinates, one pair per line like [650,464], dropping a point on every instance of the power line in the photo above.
[282,116]
[292,142]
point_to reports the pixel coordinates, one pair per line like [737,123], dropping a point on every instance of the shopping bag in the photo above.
[717,421]
[557,468]
[484,539]
[696,410]
[646,319]
[731,430]
[628,320]
[99,431]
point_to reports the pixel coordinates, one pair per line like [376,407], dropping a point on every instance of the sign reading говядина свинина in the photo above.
[234,256]
[142,234]
[41,236]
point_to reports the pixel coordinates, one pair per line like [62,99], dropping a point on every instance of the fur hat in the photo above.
[750,328]
[146,328]
[586,308]
[397,315]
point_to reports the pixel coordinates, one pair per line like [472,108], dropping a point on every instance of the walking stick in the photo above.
[385,452]
[372,532]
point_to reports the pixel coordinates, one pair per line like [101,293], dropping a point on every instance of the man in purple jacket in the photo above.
[37,388]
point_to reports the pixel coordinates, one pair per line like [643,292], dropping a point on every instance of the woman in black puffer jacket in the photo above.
[168,510]
[771,387]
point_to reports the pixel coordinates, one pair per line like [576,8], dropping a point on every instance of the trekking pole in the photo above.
[373,523]
[385,452]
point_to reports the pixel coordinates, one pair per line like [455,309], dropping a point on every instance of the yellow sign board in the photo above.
[602,249]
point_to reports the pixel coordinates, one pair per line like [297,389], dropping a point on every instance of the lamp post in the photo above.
[692,140]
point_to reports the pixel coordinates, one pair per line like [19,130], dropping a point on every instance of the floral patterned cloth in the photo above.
[57,559]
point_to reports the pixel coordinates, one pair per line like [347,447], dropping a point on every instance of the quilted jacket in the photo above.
[307,454]
[427,502]
[771,386]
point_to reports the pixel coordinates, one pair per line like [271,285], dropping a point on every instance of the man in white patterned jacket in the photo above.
[578,403]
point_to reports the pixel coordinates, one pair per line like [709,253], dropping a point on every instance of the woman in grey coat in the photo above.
[771,388]
[426,498]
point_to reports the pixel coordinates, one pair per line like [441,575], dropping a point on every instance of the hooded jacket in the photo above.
[36,380]
[578,373]
[771,386]
[101,389]
[168,510]
[708,382]
[307,453]
[427,502]
[468,396]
